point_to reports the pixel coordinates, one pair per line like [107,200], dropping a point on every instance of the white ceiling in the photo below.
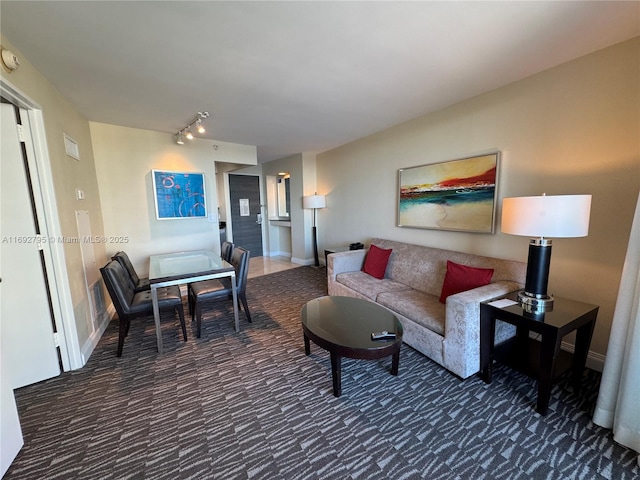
[303,76]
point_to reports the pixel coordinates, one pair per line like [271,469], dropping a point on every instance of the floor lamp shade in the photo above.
[559,216]
[314,201]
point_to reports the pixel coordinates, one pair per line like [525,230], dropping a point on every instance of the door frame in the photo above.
[263,207]
[57,277]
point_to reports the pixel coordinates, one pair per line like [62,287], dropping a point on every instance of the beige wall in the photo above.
[293,165]
[302,168]
[124,160]
[573,129]
[61,117]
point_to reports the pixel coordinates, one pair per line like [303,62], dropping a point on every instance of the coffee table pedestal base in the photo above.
[336,366]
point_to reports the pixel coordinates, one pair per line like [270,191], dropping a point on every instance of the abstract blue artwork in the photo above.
[179,195]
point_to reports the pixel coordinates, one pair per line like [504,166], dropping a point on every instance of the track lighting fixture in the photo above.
[186,131]
[199,127]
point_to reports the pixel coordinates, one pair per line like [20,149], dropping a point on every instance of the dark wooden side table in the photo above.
[542,360]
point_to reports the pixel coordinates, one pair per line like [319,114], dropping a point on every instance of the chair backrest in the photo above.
[119,287]
[123,258]
[240,260]
[226,248]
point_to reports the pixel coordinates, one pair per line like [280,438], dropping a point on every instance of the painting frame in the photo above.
[179,195]
[457,195]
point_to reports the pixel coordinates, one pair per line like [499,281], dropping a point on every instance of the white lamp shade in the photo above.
[314,201]
[547,216]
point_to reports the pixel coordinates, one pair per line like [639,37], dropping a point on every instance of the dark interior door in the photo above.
[244,198]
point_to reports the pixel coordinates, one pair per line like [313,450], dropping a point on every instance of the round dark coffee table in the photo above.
[343,326]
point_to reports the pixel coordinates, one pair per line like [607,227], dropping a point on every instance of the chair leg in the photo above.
[123,330]
[198,313]
[243,298]
[182,324]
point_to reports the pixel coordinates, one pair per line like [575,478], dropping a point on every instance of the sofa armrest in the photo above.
[462,326]
[342,262]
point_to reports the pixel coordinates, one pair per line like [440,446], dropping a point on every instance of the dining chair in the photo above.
[139,284]
[211,290]
[226,249]
[130,305]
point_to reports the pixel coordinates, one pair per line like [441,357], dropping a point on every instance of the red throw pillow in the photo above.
[375,263]
[460,278]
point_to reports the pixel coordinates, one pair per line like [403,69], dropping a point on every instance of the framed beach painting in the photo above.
[457,195]
[179,195]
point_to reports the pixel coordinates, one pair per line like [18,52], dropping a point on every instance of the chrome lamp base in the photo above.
[533,303]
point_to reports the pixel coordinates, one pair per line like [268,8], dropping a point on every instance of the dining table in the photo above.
[183,268]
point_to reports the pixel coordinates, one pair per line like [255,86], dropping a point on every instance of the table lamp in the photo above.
[539,217]
[314,201]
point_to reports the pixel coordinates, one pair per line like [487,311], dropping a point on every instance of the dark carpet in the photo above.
[251,405]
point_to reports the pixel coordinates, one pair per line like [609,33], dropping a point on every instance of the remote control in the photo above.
[383,335]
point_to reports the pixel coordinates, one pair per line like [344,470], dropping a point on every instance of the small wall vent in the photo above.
[71,147]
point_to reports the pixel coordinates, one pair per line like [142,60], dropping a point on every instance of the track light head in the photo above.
[186,131]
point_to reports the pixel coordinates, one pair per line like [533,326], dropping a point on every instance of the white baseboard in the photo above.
[94,338]
[302,261]
[595,361]
[278,254]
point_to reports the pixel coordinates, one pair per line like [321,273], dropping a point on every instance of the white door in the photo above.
[29,353]
[10,431]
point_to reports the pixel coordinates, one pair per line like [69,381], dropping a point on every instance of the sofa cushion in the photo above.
[460,278]
[422,308]
[424,268]
[375,263]
[368,286]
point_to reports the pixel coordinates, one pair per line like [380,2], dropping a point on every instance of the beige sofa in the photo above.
[447,333]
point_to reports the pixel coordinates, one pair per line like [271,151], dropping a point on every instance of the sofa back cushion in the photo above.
[424,268]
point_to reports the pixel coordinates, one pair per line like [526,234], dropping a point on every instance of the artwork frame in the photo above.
[455,195]
[179,195]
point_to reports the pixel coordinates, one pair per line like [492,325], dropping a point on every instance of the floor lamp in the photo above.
[314,201]
[540,217]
